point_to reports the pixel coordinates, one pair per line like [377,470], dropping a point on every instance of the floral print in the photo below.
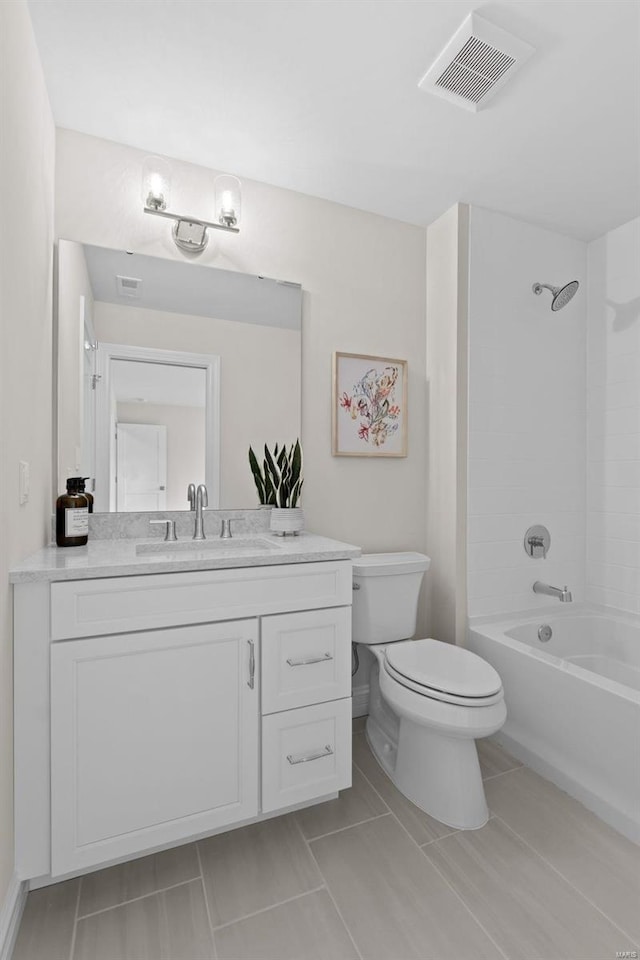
[373,402]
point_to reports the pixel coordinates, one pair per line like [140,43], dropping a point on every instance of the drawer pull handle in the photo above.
[303,663]
[305,758]
[252,664]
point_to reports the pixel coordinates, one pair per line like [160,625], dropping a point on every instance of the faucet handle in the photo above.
[537,541]
[170,532]
[225,532]
[191,496]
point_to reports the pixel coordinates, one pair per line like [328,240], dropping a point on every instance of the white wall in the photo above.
[364,292]
[26,245]
[613,349]
[73,285]
[447,268]
[185,444]
[260,371]
[527,418]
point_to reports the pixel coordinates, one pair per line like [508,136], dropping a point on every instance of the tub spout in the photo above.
[563,594]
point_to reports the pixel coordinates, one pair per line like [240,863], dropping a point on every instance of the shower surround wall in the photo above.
[527,413]
[613,434]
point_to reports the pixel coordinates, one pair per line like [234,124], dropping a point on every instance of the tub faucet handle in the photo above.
[537,543]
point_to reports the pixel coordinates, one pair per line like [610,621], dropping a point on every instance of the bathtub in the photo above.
[573,703]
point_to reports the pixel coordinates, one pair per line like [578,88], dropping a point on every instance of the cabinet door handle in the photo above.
[252,664]
[305,758]
[303,663]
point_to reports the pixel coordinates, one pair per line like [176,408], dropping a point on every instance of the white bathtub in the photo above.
[573,703]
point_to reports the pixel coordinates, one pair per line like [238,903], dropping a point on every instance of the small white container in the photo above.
[287,521]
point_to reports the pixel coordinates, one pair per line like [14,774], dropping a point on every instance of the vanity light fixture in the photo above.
[190,233]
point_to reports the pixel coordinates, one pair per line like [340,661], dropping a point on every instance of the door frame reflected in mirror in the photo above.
[106,354]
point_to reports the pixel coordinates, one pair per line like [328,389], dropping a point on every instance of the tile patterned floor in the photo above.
[365,877]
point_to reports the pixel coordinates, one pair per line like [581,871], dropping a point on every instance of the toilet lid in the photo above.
[442,666]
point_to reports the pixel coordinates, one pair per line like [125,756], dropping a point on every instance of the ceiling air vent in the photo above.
[129,287]
[476,62]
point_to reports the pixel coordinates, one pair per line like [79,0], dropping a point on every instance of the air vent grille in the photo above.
[475,63]
[129,287]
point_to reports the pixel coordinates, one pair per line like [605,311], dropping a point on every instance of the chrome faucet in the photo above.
[202,500]
[563,595]
[537,543]
[191,496]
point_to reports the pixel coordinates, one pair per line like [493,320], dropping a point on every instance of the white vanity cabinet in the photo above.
[154,737]
[154,709]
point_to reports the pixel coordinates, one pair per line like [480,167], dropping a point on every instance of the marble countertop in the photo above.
[120,557]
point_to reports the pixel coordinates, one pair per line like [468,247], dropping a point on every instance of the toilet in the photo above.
[429,701]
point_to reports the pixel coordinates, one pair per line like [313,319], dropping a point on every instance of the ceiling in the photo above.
[321,96]
[178,286]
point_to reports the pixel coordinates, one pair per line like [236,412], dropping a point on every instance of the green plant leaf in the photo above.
[271,469]
[257,476]
[295,493]
[296,462]
[269,492]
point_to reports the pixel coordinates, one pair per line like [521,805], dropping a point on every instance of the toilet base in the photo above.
[439,775]
[439,772]
[442,776]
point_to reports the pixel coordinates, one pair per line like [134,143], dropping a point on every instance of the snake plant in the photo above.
[279,480]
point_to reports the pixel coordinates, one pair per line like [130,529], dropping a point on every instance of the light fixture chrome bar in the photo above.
[179,218]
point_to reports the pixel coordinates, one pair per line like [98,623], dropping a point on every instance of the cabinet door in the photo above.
[154,737]
[306,658]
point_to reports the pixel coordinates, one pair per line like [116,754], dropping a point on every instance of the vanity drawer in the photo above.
[306,658]
[85,608]
[306,753]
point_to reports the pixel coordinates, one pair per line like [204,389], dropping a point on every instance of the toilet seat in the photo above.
[441,671]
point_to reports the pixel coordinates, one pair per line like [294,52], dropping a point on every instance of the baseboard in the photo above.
[10,916]
[360,701]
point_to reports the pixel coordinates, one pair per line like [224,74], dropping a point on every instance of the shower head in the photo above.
[561,295]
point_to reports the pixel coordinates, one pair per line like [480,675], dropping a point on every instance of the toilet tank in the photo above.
[385,596]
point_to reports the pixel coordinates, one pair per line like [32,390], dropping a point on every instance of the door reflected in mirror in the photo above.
[167,373]
[160,433]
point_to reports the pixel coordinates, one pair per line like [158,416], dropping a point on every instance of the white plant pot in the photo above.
[287,521]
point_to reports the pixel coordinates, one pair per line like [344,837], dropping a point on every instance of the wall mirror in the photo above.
[166,372]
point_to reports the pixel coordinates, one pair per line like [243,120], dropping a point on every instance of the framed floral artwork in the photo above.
[369,406]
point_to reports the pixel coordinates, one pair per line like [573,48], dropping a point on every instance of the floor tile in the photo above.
[493,759]
[308,928]
[601,863]
[393,900]
[255,867]
[126,881]
[520,900]
[163,926]
[46,929]
[359,723]
[360,802]
[420,825]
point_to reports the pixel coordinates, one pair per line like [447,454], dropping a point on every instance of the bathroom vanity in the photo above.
[162,696]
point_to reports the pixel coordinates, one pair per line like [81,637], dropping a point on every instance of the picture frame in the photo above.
[369,406]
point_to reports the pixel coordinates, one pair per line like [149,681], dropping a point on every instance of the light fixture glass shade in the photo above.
[156,183]
[228,200]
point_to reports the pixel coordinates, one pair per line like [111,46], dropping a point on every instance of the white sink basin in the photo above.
[232,545]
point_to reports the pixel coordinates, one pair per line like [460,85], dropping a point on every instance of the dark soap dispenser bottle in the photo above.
[81,488]
[72,515]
